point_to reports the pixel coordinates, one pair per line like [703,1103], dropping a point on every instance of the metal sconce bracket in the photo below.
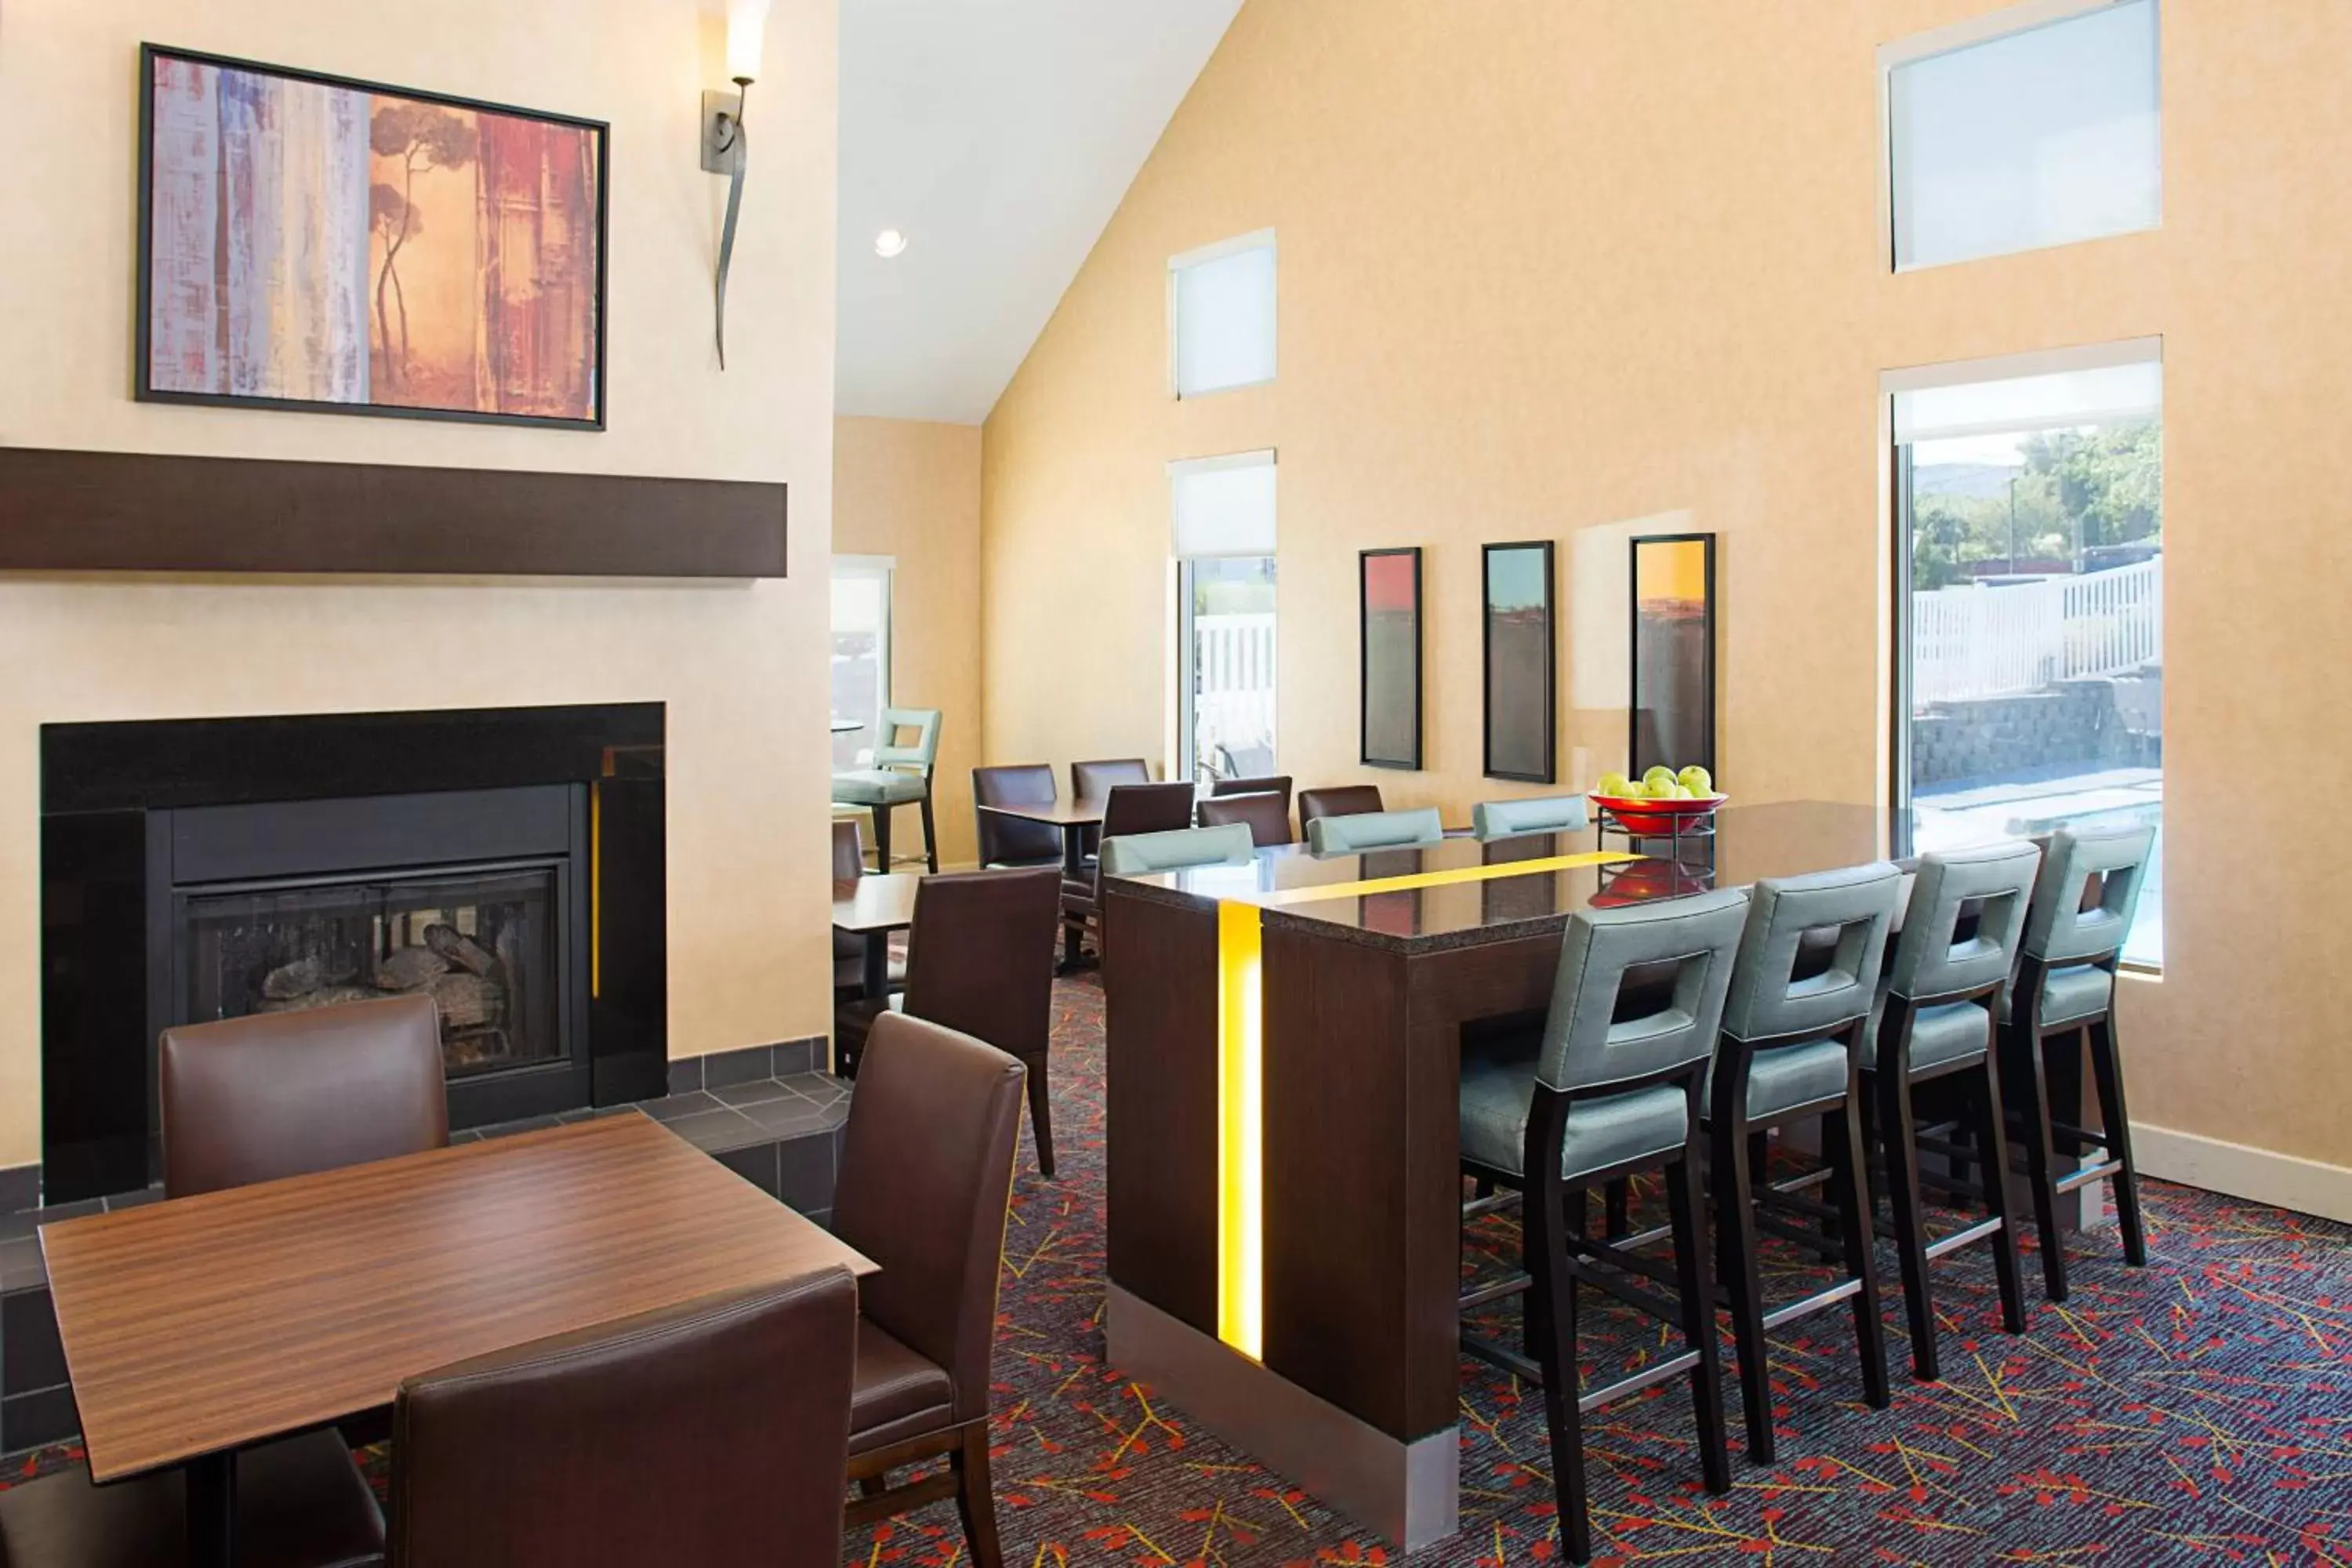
[725,150]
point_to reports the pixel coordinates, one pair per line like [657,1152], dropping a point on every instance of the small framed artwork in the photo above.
[312,242]
[1389,619]
[1521,663]
[1672,699]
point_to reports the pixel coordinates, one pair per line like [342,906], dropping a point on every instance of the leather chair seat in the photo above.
[300,1503]
[2069,992]
[1498,1094]
[1028,863]
[1951,1032]
[1788,1076]
[894,1392]
[878,786]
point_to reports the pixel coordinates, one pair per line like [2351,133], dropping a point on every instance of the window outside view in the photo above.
[2037,637]
[1230,605]
[861,660]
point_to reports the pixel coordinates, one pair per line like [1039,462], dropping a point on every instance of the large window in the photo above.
[2033,136]
[2030,642]
[861,655]
[1221,315]
[1223,547]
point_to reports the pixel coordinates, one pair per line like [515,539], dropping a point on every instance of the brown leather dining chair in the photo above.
[1345,800]
[981,962]
[1014,840]
[243,1100]
[848,947]
[1272,784]
[1128,808]
[1094,781]
[1267,816]
[715,1433]
[926,1180]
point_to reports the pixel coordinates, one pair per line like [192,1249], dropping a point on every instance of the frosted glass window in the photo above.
[1223,300]
[1224,506]
[2041,137]
[2064,400]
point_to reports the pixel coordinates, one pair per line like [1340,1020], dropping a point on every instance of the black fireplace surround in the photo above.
[509,862]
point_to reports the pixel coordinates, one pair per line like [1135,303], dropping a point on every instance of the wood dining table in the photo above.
[872,908]
[203,1325]
[1072,818]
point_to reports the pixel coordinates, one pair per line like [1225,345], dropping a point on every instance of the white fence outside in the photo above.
[1232,672]
[1993,642]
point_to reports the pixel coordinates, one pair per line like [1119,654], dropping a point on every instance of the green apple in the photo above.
[1697,780]
[1661,775]
[1613,784]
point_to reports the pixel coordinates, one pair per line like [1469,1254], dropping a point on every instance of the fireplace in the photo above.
[508,863]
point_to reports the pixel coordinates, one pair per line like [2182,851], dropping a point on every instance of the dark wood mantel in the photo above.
[131,511]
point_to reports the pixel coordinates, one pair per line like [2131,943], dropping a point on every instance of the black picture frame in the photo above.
[1383,709]
[142,387]
[1521,684]
[1666,715]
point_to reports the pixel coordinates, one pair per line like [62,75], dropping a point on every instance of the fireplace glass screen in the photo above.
[483,945]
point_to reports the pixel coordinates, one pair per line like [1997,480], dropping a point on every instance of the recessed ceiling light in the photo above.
[889,243]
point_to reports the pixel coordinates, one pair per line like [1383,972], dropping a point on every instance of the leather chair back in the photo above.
[1265,815]
[848,853]
[1142,854]
[1852,912]
[1094,781]
[926,1178]
[284,1094]
[716,1434]
[980,956]
[1585,1046]
[1931,957]
[1347,800]
[1271,783]
[1504,818]
[1360,831]
[2058,929]
[1147,808]
[895,749]
[1009,840]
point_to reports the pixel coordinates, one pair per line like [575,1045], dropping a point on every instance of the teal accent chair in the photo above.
[1375,830]
[2083,904]
[1938,1006]
[1802,987]
[1507,818]
[901,775]
[1143,853]
[1597,1098]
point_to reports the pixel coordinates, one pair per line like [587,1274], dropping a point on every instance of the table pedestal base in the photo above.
[1409,1493]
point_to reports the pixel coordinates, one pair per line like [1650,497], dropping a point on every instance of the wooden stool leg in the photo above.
[1552,1303]
[1995,1151]
[1731,1163]
[1900,1137]
[1850,1194]
[930,836]
[2028,1090]
[975,1498]
[1687,1204]
[881,815]
[1618,1201]
[2107,1068]
[1041,1118]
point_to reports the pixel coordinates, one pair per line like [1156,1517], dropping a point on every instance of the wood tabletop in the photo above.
[869,904]
[1056,813]
[206,1323]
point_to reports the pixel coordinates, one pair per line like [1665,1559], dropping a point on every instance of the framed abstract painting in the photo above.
[313,242]
[1389,620]
[1672,699]
[1521,663]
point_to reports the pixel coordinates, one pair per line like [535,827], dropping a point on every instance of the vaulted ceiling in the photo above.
[998,136]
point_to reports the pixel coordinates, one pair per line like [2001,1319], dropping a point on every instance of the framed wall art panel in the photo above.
[1389,610]
[1672,698]
[1521,663]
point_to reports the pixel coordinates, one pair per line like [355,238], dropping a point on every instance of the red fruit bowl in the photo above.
[1659,817]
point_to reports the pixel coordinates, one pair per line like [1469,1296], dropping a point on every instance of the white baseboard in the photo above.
[2284,1181]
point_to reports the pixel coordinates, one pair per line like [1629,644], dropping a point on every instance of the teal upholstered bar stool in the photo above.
[1375,830]
[1142,854]
[2083,904]
[1605,1098]
[1792,1050]
[1937,1010]
[901,775]
[1509,818]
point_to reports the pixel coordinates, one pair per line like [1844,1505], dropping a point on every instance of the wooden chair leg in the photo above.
[1073,936]
[1686,1205]
[1900,1138]
[1994,1151]
[976,1498]
[2107,1069]
[881,815]
[873,1486]
[1551,1303]
[1850,1193]
[1730,1163]
[930,836]
[2026,1090]
[1041,1117]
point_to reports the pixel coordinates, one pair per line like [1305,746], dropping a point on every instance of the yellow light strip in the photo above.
[1241,1079]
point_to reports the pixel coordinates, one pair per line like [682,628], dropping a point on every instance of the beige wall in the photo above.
[740,664]
[910,489]
[1550,268]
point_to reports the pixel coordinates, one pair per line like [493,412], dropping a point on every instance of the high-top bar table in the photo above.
[1284,1054]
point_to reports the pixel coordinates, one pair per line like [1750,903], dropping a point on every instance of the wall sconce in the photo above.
[725,150]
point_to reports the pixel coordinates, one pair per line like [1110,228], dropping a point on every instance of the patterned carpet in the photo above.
[2199,1411]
